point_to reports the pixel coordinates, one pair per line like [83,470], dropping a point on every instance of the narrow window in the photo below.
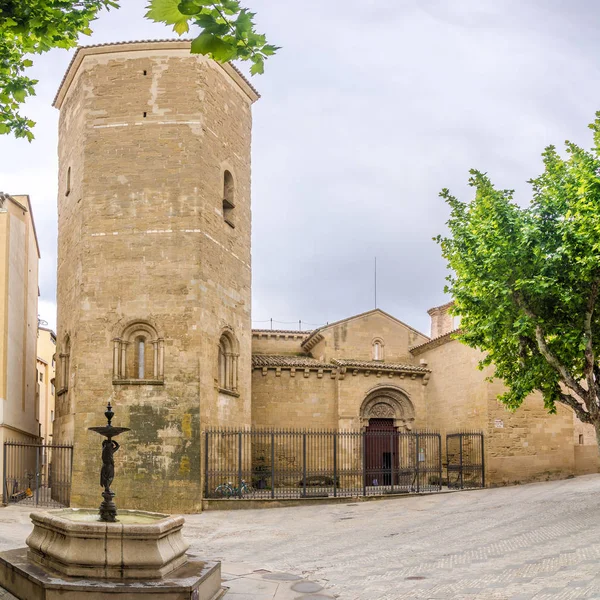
[68,191]
[377,350]
[227,364]
[145,115]
[52,416]
[145,72]
[228,199]
[140,357]
[581,438]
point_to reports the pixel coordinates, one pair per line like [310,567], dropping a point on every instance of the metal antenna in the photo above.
[375,282]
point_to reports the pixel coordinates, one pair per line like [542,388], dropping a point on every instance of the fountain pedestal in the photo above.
[71,555]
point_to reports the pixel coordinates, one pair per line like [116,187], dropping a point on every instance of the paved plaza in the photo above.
[538,541]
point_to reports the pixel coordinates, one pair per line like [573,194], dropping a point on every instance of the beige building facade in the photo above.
[154,291]
[46,372]
[19,259]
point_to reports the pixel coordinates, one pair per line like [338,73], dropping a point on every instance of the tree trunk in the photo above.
[597,429]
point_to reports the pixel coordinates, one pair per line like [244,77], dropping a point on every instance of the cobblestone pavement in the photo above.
[539,541]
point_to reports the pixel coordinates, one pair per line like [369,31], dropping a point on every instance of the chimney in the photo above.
[442,322]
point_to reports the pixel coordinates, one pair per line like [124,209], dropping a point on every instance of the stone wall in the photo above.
[144,245]
[278,342]
[289,399]
[527,445]
[354,338]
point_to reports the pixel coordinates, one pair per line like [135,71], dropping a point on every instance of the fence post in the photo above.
[439,437]
[482,462]
[206,433]
[304,464]
[460,439]
[364,461]
[37,475]
[4,485]
[272,464]
[417,462]
[239,487]
[392,460]
[335,437]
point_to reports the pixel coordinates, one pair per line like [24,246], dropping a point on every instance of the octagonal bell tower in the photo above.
[154,268]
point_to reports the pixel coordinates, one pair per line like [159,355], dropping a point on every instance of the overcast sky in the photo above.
[369,109]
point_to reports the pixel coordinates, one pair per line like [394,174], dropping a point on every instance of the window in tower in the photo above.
[227,364]
[68,190]
[138,356]
[228,199]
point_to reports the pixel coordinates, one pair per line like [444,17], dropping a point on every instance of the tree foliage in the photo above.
[29,27]
[32,27]
[525,280]
[227,30]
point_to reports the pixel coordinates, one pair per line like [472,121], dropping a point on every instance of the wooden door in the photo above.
[381,453]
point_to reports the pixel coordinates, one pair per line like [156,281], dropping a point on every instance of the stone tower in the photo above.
[154,267]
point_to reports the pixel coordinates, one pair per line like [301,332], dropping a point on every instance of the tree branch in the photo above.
[577,407]
[590,360]
[550,357]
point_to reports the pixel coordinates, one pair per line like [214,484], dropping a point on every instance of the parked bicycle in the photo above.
[228,490]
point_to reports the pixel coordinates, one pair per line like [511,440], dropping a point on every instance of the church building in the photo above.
[154,292]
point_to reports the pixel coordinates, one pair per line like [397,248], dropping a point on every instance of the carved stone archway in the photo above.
[388,402]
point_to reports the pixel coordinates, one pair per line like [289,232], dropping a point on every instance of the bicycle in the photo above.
[228,490]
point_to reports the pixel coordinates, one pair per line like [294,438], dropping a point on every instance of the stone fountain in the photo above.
[88,554]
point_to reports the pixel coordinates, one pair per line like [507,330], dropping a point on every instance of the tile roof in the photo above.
[378,365]
[300,362]
[434,342]
[236,69]
[288,331]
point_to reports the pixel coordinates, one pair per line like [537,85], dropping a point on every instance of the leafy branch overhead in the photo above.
[526,280]
[227,29]
[30,27]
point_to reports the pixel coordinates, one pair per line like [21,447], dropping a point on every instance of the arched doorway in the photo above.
[387,415]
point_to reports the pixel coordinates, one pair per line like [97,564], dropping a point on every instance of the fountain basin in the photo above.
[141,545]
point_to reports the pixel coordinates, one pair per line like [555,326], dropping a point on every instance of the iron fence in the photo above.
[37,474]
[465,460]
[262,464]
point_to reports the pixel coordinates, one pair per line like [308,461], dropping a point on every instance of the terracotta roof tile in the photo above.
[288,331]
[378,365]
[300,362]
[437,341]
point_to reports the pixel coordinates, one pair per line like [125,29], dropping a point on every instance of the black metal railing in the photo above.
[262,464]
[465,460]
[37,474]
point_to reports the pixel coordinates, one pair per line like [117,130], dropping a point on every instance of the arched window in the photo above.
[138,355]
[227,363]
[228,199]
[377,349]
[65,358]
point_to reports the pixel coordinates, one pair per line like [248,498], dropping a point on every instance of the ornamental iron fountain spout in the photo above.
[108,508]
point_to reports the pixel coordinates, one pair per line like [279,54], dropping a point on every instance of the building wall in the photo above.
[278,342]
[529,444]
[19,259]
[143,235]
[353,339]
[586,448]
[46,350]
[287,399]
[456,394]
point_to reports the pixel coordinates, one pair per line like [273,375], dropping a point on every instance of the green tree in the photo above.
[525,281]
[226,31]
